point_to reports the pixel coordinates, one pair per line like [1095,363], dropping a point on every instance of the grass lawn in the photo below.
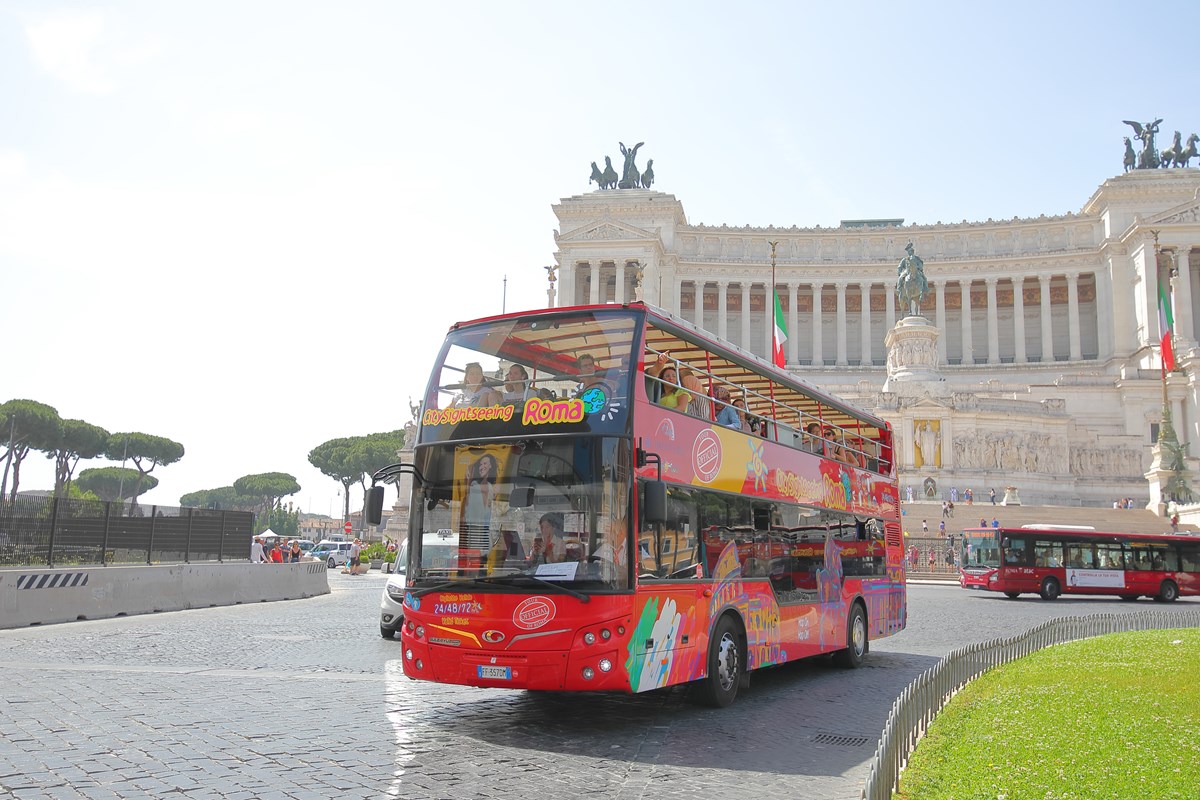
[1116,716]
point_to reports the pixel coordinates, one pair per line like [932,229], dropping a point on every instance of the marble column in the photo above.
[939,318]
[723,309]
[698,309]
[968,346]
[889,314]
[1073,315]
[793,326]
[817,344]
[866,323]
[566,282]
[745,340]
[620,284]
[993,322]
[1184,325]
[841,324]
[1047,325]
[1105,338]
[1018,284]
[677,300]
[594,292]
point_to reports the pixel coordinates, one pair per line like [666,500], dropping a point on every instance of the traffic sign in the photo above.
[348,527]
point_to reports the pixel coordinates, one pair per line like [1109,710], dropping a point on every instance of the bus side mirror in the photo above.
[375,505]
[521,496]
[654,502]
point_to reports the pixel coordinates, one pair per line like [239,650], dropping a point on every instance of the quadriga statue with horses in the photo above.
[1178,154]
[911,285]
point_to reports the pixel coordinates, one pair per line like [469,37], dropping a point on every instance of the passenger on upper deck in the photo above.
[700,405]
[727,415]
[516,385]
[673,395]
[475,390]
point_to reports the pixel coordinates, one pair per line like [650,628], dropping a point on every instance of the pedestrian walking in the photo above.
[942,528]
[992,496]
[924,527]
[995,522]
[945,509]
[257,554]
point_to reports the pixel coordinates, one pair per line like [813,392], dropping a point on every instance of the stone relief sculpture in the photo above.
[1013,452]
[1105,461]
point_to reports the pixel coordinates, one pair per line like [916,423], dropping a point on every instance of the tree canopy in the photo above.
[25,425]
[225,498]
[77,440]
[114,483]
[268,487]
[146,452]
[353,459]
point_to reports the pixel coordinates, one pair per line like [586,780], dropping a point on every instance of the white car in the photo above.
[391,606]
[334,554]
[436,549]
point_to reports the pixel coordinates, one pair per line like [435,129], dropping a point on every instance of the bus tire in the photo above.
[719,688]
[1050,589]
[1012,595]
[857,644]
[1168,592]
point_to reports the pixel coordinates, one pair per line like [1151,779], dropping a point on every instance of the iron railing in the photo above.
[52,531]
[922,699]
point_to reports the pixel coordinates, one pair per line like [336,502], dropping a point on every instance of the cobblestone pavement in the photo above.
[303,699]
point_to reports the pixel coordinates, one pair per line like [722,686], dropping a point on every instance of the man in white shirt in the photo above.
[355,553]
[257,556]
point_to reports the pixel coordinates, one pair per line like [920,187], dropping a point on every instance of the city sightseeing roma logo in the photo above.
[533,613]
[706,456]
[540,412]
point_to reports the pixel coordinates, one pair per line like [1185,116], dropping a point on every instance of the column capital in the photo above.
[991,281]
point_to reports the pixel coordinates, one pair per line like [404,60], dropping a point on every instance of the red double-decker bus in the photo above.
[631,504]
[1054,560]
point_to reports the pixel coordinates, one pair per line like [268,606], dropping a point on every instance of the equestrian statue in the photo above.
[911,287]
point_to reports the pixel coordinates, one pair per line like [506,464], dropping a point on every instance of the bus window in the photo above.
[1047,554]
[1109,556]
[1015,553]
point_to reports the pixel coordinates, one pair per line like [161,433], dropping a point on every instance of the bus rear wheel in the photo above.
[1012,595]
[1168,592]
[720,687]
[1050,589]
[856,640]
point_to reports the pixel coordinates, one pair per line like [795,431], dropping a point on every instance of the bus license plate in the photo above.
[496,673]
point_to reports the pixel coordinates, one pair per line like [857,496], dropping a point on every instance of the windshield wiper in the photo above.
[583,598]
[437,587]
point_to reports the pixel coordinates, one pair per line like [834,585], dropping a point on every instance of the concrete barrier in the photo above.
[42,596]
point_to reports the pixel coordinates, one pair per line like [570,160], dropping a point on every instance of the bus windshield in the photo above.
[980,549]
[524,513]
[536,373]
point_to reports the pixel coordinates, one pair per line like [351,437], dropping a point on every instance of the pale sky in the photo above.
[246,226]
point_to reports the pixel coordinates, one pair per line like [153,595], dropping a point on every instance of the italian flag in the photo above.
[1166,324]
[780,334]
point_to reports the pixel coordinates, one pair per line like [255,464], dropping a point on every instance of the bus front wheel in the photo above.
[856,639]
[1050,589]
[1168,592]
[720,687]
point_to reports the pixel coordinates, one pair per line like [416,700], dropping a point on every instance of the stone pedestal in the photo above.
[1011,498]
[397,526]
[912,353]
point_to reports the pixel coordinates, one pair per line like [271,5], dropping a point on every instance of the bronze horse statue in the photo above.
[1178,154]
[1130,156]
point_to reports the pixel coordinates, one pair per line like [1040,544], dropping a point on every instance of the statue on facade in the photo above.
[1130,156]
[630,177]
[911,287]
[1148,158]
[648,175]
[1178,154]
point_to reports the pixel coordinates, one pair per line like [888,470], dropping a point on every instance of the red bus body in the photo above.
[780,542]
[1049,561]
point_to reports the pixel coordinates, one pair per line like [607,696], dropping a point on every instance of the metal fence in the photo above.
[922,699]
[932,555]
[51,531]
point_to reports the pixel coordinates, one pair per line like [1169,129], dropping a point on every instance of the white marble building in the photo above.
[1054,388]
